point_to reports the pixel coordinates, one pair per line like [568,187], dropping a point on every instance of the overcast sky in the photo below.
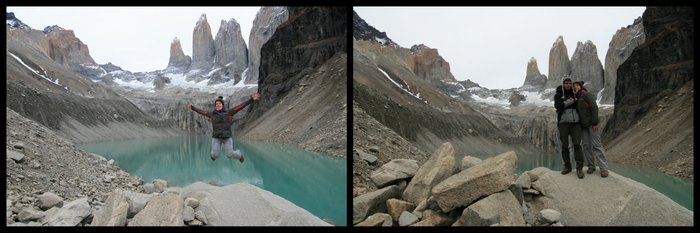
[134,38]
[492,45]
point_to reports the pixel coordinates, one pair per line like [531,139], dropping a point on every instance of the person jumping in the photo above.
[221,121]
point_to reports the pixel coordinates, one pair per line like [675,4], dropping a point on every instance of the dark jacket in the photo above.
[587,108]
[559,98]
[221,120]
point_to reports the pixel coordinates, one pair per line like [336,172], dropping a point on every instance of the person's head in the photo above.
[219,103]
[577,85]
[567,83]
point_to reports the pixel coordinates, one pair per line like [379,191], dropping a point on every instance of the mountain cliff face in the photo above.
[585,66]
[302,74]
[652,124]
[266,22]
[624,41]
[660,65]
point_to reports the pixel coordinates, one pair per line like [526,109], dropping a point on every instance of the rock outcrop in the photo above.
[67,49]
[178,60]
[585,66]
[624,203]
[203,48]
[534,80]
[266,22]
[622,44]
[559,64]
[427,64]
[230,49]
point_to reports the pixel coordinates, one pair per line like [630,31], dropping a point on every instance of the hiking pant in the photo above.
[228,146]
[573,130]
[593,148]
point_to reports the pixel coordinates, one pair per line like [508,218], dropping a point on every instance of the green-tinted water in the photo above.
[310,180]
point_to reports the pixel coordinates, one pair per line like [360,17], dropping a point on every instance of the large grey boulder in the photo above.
[372,202]
[114,212]
[137,201]
[492,175]
[161,210]
[48,200]
[70,214]
[499,208]
[611,201]
[435,170]
[393,171]
[244,204]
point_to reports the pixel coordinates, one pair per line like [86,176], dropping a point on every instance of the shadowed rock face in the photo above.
[622,44]
[266,22]
[663,63]
[559,64]
[306,40]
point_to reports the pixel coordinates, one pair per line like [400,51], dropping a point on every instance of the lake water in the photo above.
[315,182]
[678,189]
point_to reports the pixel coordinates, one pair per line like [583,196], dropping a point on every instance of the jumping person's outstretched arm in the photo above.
[202,112]
[234,110]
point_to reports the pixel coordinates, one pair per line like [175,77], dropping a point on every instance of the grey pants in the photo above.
[573,129]
[228,146]
[593,148]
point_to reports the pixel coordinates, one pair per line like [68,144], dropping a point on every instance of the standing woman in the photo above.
[590,130]
[221,121]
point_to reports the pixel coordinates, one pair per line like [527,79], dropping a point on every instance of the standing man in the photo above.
[590,131]
[568,124]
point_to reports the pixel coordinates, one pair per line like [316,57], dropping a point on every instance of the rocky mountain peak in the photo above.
[559,64]
[621,45]
[266,22]
[585,66]
[363,31]
[203,48]
[533,77]
[15,22]
[67,49]
[427,64]
[230,49]
[48,29]
[419,47]
[178,59]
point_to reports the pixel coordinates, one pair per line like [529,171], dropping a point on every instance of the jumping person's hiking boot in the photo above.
[241,159]
[566,171]
[604,173]
[590,170]
[579,173]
